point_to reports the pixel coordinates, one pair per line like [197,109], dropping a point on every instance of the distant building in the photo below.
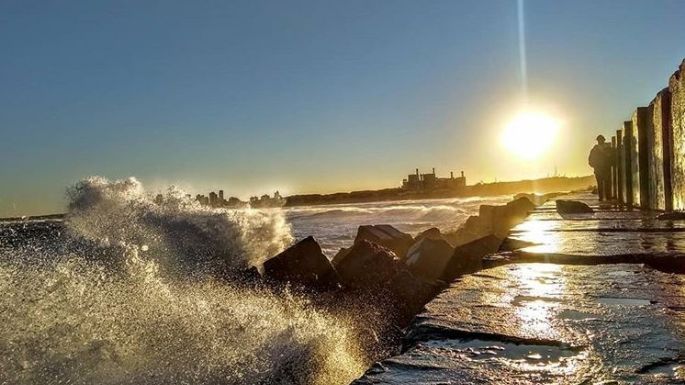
[267,201]
[213,199]
[429,182]
[218,201]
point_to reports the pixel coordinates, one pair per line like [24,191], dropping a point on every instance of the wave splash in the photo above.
[78,321]
[200,238]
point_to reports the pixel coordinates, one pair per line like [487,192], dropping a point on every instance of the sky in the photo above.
[311,96]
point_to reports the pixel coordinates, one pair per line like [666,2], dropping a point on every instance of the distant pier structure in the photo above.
[428,182]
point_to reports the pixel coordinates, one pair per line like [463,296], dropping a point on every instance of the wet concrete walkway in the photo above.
[608,231]
[586,318]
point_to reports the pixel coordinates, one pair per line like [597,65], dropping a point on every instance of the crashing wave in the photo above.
[179,231]
[71,319]
[77,324]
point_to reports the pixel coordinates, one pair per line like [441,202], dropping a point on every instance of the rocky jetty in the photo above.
[391,271]
[590,299]
[389,276]
[493,220]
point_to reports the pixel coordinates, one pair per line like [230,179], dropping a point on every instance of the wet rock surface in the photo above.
[428,257]
[468,258]
[493,220]
[572,207]
[367,264]
[303,263]
[594,301]
[432,233]
[386,236]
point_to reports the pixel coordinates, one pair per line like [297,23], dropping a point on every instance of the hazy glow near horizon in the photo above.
[313,96]
[530,134]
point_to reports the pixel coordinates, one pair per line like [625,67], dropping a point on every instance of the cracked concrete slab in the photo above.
[547,324]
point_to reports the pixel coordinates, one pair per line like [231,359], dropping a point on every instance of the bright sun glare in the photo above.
[530,134]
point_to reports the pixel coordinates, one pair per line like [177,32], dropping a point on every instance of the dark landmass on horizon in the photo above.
[542,185]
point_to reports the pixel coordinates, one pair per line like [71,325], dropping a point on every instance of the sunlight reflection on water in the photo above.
[541,287]
[538,232]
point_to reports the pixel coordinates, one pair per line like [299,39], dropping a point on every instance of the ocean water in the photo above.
[335,226]
[124,291]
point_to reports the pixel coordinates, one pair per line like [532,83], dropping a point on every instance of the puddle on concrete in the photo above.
[623,301]
[621,273]
[575,315]
[525,299]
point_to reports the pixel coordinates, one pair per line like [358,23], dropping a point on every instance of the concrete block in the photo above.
[659,160]
[639,154]
[629,151]
[676,86]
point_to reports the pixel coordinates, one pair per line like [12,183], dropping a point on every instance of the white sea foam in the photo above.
[78,324]
[70,318]
[179,229]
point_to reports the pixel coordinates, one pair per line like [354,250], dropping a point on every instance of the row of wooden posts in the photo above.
[649,169]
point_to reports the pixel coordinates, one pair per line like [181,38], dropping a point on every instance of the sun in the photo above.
[530,134]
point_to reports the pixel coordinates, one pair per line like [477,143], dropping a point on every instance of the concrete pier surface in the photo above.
[598,300]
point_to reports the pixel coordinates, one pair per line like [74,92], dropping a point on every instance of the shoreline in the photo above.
[539,186]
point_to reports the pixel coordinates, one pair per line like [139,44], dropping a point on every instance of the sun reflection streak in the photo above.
[541,288]
[538,232]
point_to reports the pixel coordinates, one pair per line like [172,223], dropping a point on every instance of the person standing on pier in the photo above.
[601,159]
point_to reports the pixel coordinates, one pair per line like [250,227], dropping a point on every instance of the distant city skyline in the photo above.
[311,96]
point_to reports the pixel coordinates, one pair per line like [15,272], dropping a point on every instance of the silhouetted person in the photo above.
[601,159]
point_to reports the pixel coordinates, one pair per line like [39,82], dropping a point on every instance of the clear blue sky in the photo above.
[309,96]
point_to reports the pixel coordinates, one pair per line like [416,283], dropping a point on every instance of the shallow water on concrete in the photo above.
[547,323]
[607,231]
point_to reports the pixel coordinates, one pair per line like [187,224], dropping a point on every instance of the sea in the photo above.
[124,290]
[335,226]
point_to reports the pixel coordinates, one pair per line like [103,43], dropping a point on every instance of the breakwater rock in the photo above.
[388,276]
[572,207]
[399,272]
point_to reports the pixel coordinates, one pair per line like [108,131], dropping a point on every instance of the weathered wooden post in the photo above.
[676,86]
[660,158]
[619,166]
[639,165]
[614,188]
[627,163]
